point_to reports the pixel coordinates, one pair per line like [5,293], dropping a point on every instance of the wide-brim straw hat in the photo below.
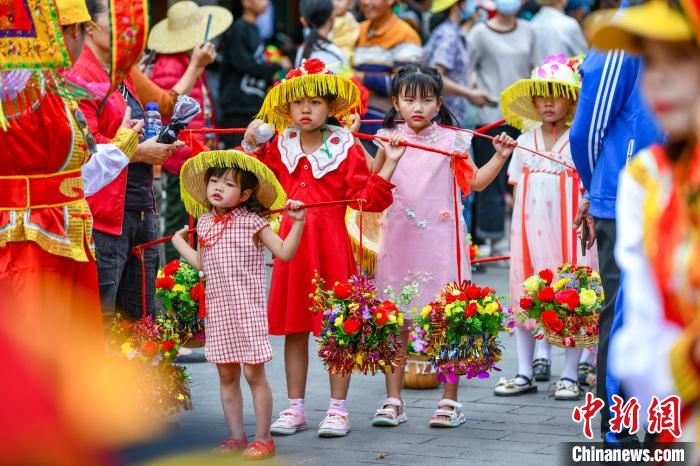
[557,77]
[186,25]
[311,79]
[656,20]
[441,5]
[193,183]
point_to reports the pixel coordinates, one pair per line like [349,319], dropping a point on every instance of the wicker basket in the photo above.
[419,374]
[580,341]
[194,343]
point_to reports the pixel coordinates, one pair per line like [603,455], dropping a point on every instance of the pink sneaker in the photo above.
[290,421]
[335,424]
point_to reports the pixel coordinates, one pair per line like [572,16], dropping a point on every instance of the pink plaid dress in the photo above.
[234,268]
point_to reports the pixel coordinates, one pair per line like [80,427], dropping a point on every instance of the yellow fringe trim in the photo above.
[685,375]
[226,159]
[369,257]
[517,105]
[275,110]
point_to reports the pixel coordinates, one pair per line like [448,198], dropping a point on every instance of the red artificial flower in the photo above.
[547,275]
[165,283]
[546,294]
[149,348]
[551,321]
[382,316]
[171,267]
[470,310]
[342,290]
[526,302]
[167,346]
[473,292]
[592,330]
[568,297]
[351,326]
[196,292]
[472,252]
[487,291]
[314,65]
[294,73]
[568,342]
[389,306]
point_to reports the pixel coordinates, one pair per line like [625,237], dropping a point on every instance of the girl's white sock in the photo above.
[298,404]
[526,346]
[571,358]
[337,405]
[544,350]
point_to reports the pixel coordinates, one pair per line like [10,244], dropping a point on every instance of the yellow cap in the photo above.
[654,20]
[441,5]
[72,12]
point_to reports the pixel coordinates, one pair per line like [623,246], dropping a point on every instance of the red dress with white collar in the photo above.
[342,173]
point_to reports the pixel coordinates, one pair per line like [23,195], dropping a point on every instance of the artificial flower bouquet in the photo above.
[359,333]
[178,286]
[462,326]
[153,344]
[566,305]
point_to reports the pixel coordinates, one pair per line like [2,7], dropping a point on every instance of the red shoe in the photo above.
[232,445]
[259,450]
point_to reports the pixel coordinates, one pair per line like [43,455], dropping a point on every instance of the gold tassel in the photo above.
[274,108]
[528,89]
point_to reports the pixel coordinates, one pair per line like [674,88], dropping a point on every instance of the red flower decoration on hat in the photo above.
[314,66]
[294,73]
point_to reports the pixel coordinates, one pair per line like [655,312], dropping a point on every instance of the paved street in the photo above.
[522,430]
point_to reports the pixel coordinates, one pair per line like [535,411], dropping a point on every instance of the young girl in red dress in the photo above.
[315,162]
[228,190]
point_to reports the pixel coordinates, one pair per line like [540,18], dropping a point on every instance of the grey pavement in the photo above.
[527,429]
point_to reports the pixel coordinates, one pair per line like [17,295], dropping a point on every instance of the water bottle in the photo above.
[153,120]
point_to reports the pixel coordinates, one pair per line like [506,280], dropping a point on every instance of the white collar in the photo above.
[339,141]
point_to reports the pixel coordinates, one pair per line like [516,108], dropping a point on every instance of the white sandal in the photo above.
[390,414]
[567,389]
[455,416]
[511,387]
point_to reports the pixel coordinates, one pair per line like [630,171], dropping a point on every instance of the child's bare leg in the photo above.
[262,399]
[340,384]
[449,392]
[296,363]
[232,398]
[394,380]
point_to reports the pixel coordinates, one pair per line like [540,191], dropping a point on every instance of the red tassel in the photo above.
[464,173]
[202,307]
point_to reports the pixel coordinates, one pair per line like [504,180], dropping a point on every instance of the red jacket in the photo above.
[107,205]
[167,71]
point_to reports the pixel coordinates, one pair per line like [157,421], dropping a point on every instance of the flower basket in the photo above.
[152,346]
[180,291]
[419,373]
[359,333]
[462,326]
[566,305]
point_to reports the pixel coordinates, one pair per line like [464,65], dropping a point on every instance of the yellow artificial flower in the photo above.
[488,299]
[399,320]
[126,348]
[354,307]
[338,321]
[588,297]
[448,309]
[426,311]
[392,318]
[561,284]
[595,275]
[358,359]
[426,327]
[480,309]
[160,274]
[532,284]
[178,288]
[493,308]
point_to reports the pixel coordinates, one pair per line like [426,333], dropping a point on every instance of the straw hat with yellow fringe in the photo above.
[311,79]
[557,77]
[656,20]
[193,184]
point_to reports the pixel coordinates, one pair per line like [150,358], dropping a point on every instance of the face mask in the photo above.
[305,32]
[466,13]
[508,7]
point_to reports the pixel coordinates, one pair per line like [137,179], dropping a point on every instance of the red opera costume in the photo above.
[325,245]
[45,222]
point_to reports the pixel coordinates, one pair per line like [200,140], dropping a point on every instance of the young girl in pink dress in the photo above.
[418,242]
[228,189]
[541,230]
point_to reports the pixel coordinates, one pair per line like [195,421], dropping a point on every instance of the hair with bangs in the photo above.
[412,80]
[244,179]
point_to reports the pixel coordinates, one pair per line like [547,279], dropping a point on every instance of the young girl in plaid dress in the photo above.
[232,188]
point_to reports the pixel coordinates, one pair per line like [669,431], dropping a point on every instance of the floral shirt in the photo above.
[447,47]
